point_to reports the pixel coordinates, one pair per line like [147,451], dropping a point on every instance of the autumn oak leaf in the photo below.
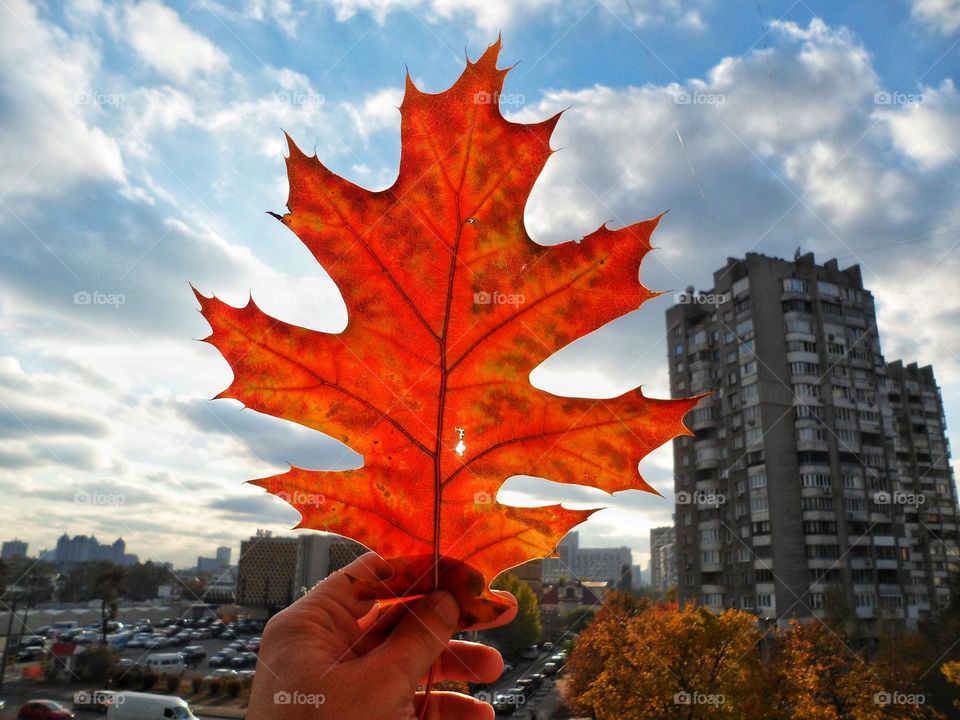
[451,305]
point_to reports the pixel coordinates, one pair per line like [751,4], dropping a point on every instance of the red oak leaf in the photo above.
[451,305]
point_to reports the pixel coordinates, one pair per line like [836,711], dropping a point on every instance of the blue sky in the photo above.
[141,146]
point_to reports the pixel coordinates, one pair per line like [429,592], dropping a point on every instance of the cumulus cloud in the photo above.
[168,45]
[941,16]
[50,105]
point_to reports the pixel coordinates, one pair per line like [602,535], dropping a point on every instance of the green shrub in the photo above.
[216,685]
[233,687]
[197,684]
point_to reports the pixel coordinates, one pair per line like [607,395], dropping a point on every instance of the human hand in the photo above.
[334,655]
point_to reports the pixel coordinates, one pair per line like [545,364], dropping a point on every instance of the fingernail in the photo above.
[444,606]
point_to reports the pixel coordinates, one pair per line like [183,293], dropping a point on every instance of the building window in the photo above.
[828,288]
[794,285]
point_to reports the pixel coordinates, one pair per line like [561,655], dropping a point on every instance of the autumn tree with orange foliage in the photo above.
[642,660]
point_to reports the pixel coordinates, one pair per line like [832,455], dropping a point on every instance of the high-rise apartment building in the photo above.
[819,475]
[565,565]
[604,564]
[13,549]
[663,563]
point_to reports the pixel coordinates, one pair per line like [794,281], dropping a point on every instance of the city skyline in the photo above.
[132,171]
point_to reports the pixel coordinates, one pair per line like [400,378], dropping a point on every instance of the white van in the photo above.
[146,706]
[165,662]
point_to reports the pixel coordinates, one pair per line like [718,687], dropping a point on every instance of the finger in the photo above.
[503,619]
[445,705]
[418,639]
[340,587]
[469,662]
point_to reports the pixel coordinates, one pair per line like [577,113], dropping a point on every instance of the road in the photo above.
[542,698]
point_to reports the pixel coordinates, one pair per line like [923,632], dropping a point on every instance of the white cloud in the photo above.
[169,45]
[942,16]
[377,112]
[52,104]
[927,127]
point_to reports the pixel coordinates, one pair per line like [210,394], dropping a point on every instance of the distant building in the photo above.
[214,565]
[663,558]
[83,548]
[603,564]
[275,571]
[567,596]
[13,549]
[562,567]
[266,579]
[637,573]
[320,555]
[223,556]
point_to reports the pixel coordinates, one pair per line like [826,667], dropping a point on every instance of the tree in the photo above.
[144,580]
[108,585]
[646,660]
[524,630]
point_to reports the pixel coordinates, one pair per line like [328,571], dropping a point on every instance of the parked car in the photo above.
[44,710]
[201,634]
[506,703]
[529,653]
[31,654]
[253,645]
[87,637]
[222,658]
[237,645]
[550,669]
[31,641]
[244,660]
[193,654]
[221,674]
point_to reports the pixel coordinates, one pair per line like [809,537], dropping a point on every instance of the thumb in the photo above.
[419,638]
